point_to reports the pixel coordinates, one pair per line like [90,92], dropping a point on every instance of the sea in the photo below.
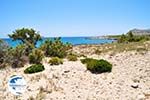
[72,40]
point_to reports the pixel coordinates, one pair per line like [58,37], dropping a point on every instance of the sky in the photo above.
[74,17]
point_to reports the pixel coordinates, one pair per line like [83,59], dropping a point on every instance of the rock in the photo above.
[135,85]
[66,71]
[141,97]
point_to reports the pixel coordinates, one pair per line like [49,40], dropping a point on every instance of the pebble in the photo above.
[135,85]
[141,97]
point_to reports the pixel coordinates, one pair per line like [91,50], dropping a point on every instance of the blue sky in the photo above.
[74,17]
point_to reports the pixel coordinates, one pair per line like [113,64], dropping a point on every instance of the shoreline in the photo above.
[73,40]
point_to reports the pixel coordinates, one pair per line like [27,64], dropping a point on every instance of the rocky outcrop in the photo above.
[140,31]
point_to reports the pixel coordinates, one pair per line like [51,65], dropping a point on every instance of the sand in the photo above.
[129,80]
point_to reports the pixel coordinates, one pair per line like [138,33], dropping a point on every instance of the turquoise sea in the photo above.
[72,40]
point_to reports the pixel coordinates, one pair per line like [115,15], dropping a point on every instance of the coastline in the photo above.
[75,50]
[73,40]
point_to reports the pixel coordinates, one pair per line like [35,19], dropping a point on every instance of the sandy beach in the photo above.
[129,80]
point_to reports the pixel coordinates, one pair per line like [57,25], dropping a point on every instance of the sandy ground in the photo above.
[129,80]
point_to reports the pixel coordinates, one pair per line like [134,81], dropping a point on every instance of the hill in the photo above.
[140,31]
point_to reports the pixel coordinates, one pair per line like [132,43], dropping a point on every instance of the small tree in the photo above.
[130,34]
[122,39]
[131,37]
[27,36]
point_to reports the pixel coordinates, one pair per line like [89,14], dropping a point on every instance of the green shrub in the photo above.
[17,56]
[84,61]
[55,61]
[72,57]
[55,48]
[36,56]
[97,66]
[34,69]
[129,37]
[4,57]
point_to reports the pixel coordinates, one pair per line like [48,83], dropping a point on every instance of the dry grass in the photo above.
[41,94]
[140,47]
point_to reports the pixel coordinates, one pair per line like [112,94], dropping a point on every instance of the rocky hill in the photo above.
[141,31]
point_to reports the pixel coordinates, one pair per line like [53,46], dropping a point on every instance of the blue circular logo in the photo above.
[17,85]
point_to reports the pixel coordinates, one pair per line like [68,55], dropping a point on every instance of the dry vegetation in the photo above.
[112,48]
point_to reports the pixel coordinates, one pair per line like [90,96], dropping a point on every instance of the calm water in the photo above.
[72,40]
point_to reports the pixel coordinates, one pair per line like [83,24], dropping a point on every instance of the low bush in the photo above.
[34,69]
[17,56]
[86,60]
[97,51]
[4,57]
[141,50]
[55,61]
[129,37]
[36,56]
[72,57]
[97,66]
[55,48]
